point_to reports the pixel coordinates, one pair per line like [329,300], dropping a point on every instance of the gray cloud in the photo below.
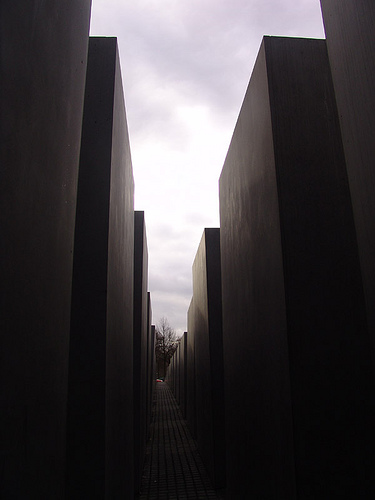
[185,68]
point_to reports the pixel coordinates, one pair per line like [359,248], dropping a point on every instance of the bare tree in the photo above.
[165,346]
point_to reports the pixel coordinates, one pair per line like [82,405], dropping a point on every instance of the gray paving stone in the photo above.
[173,468]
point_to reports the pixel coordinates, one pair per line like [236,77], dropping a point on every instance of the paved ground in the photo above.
[173,467]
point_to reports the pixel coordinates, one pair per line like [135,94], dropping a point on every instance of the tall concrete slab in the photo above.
[100,400]
[177,374]
[170,378]
[174,366]
[42,74]
[190,371]
[153,341]
[140,343]
[183,373]
[349,26]
[208,345]
[298,386]
[150,364]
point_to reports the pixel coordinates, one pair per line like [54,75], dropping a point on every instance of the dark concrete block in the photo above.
[298,385]
[153,341]
[150,368]
[190,371]
[172,373]
[177,374]
[170,378]
[100,402]
[140,343]
[42,74]
[169,374]
[349,26]
[208,346]
[183,373]
[176,377]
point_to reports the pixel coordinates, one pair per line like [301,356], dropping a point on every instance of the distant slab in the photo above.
[140,343]
[190,371]
[151,374]
[182,361]
[100,403]
[297,360]
[208,355]
[42,74]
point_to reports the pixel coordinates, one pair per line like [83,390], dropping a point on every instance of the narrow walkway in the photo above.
[173,468]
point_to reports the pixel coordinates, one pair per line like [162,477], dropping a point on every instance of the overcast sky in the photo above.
[185,67]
